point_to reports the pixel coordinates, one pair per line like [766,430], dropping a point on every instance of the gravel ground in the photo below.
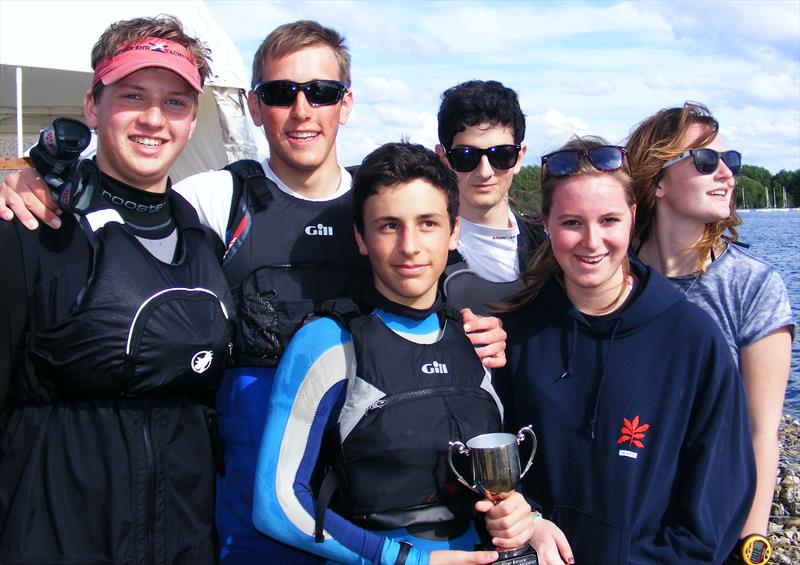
[784,527]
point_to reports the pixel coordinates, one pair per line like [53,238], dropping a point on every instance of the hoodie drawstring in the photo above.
[571,345]
[592,427]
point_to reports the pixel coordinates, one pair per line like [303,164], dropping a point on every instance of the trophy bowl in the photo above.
[496,471]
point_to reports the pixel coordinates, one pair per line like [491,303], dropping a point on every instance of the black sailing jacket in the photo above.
[107,446]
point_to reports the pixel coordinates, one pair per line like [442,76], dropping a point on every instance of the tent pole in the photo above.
[20,149]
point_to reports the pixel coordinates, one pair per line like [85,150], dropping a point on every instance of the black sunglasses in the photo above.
[284,92]
[565,162]
[706,160]
[465,158]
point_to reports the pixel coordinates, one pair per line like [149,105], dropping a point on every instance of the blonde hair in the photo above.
[291,37]
[656,140]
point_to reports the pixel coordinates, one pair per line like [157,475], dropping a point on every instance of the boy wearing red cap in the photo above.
[114,333]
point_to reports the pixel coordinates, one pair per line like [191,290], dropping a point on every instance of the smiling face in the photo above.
[143,122]
[685,194]
[483,192]
[301,137]
[590,225]
[407,236]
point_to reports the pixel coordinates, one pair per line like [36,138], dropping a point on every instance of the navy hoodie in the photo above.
[644,452]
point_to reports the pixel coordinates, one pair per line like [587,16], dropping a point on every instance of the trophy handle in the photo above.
[462,449]
[520,438]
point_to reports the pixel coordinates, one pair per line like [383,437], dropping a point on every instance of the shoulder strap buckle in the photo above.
[249,174]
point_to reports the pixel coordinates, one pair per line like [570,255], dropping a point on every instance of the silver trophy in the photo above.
[496,470]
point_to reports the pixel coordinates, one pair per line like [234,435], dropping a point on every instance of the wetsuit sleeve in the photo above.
[309,389]
[13,304]
[715,482]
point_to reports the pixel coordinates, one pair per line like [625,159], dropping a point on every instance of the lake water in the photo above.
[775,238]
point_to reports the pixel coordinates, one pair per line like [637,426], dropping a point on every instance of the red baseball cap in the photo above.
[149,52]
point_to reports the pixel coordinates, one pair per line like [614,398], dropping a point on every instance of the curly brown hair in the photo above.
[291,37]
[125,32]
[656,140]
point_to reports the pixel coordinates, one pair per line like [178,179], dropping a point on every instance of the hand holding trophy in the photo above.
[496,470]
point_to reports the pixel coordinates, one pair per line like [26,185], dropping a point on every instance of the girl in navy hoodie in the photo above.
[644,445]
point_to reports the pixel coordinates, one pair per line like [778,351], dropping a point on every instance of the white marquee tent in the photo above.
[45,51]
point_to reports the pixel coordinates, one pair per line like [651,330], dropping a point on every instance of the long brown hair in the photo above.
[543,264]
[656,140]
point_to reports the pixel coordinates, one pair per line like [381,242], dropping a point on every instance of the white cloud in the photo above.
[756,122]
[487,27]
[593,88]
[249,21]
[765,138]
[373,125]
[579,67]
[770,89]
[735,26]
[660,81]
[394,116]
[552,128]
[376,89]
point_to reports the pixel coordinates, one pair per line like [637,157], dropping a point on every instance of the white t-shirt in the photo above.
[210,194]
[490,252]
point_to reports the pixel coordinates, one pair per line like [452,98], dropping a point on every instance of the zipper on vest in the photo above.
[151,489]
[419,394]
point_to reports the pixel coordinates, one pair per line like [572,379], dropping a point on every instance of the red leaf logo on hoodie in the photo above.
[632,432]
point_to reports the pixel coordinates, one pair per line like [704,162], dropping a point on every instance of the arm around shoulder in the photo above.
[26,195]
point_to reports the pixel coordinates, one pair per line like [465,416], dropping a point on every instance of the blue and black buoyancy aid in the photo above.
[141,327]
[406,403]
[285,256]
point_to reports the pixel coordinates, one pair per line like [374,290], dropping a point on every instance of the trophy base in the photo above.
[528,557]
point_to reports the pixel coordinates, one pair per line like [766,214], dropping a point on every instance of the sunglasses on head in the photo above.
[465,158]
[706,160]
[565,162]
[284,92]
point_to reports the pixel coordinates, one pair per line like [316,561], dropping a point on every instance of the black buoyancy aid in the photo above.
[406,403]
[141,327]
[464,288]
[285,257]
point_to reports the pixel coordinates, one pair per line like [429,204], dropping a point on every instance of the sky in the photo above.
[579,67]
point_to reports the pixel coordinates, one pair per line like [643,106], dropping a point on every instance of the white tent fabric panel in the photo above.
[222,134]
[52,40]
[60,35]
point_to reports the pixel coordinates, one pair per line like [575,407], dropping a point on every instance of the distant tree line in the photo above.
[756,184]
[752,187]
[525,193]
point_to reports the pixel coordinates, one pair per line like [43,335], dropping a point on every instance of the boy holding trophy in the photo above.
[353,464]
